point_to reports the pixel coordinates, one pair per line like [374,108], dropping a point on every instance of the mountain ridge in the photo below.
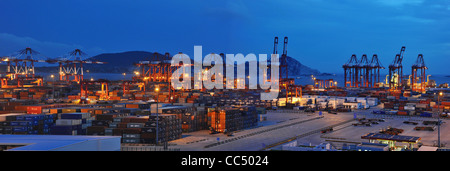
[124,62]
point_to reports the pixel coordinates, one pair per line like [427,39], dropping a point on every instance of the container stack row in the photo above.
[26,124]
[72,124]
[137,129]
[226,119]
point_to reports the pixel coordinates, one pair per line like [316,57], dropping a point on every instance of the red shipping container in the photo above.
[445,103]
[402,112]
[34,109]
[21,108]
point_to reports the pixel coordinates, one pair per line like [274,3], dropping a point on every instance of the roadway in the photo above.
[279,127]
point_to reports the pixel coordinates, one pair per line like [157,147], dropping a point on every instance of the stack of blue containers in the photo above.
[32,124]
[72,124]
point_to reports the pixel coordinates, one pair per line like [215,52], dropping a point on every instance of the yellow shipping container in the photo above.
[134,106]
[69,110]
[86,110]
[53,111]
[93,97]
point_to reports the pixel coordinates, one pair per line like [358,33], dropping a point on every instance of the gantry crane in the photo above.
[158,70]
[375,66]
[104,93]
[418,74]
[396,71]
[24,67]
[286,83]
[364,69]
[19,66]
[362,73]
[328,83]
[351,72]
[73,68]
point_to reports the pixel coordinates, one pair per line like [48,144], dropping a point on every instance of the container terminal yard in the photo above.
[364,112]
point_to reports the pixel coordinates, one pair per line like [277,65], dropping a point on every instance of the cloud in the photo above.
[229,10]
[10,44]
[413,19]
[397,3]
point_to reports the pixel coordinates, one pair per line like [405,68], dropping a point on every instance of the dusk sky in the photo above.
[323,34]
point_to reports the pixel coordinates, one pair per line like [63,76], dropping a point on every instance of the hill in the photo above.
[124,62]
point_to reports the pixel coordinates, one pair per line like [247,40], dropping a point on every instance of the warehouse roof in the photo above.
[60,142]
[399,138]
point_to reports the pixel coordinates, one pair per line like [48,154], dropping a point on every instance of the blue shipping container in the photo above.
[74,115]
[20,128]
[425,114]
[33,117]
[20,118]
[20,123]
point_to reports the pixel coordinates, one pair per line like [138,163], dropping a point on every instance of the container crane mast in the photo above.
[364,69]
[73,68]
[286,83]
[351,72]
[420,67]
[18,66]
[375,72]
[395,81]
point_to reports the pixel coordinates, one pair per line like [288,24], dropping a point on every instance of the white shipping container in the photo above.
[419,105]
[351,99]
[372,99]
[68,122]
[372,103]
[332,103]
[131,136]
[360,98]
[410,108]
[135,125]
[353,105]
[119,105]
[361,101]
[411,104]
[340,101]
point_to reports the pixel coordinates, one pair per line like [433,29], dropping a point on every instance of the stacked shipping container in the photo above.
[72,124]
[26,124]
[226,119]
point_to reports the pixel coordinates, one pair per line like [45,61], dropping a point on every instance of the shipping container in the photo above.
[75,115]
[68,122]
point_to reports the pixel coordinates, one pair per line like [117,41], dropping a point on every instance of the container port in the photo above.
[147,114]
[101,90]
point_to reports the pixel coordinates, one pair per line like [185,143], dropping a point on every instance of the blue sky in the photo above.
[323,34]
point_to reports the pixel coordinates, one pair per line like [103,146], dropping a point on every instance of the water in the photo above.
[302,80]
[94,76]
[339,78]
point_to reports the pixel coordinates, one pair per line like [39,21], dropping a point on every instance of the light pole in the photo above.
[157,115]
[439,119]
[53,87]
